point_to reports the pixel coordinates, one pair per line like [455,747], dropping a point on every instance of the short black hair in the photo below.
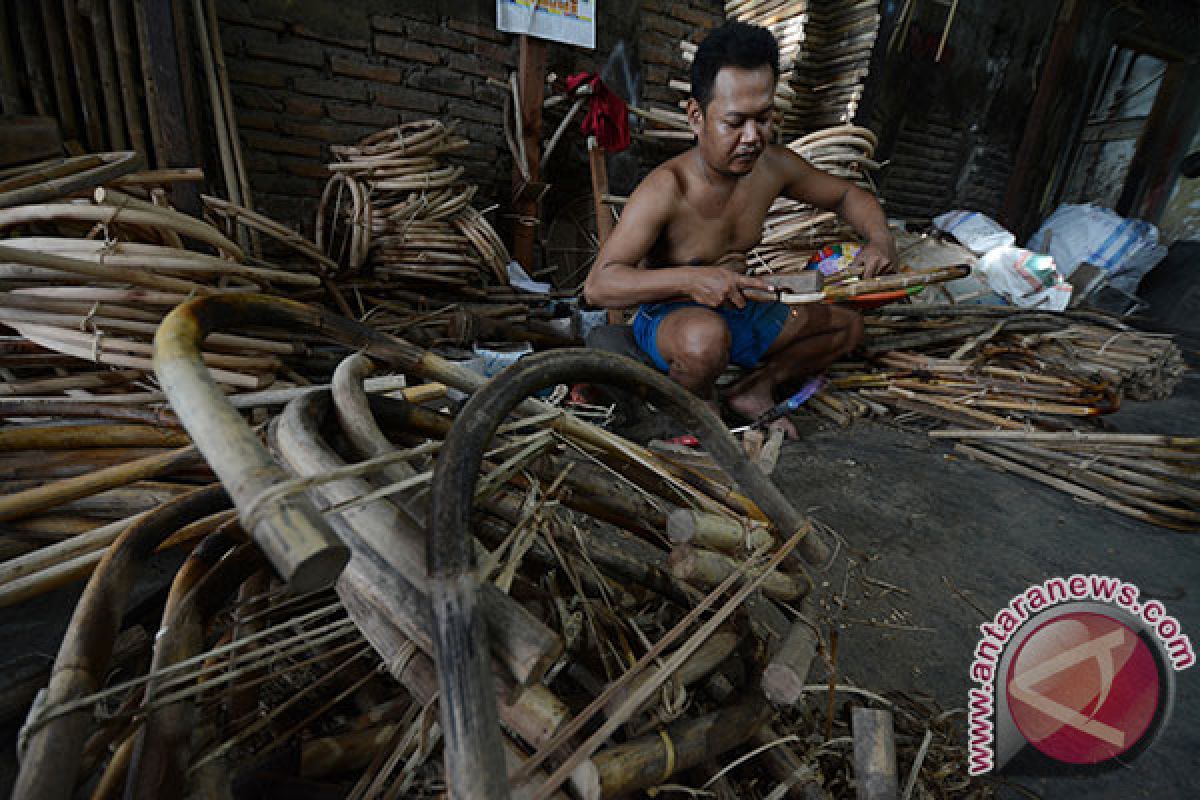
[734,44]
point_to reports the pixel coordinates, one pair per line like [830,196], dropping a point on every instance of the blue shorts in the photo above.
[753,329]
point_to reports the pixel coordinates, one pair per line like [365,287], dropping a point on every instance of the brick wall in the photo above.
[299,88]
[306,74]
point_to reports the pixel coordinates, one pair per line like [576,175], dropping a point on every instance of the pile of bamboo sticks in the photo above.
[394,208]
[1021,391]
[825,51]
[598,556]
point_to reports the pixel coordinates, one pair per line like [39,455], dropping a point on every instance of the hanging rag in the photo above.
[607,116]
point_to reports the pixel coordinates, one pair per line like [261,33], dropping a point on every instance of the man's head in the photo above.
[733,87]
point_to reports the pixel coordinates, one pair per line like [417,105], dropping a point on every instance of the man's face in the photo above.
[733,130]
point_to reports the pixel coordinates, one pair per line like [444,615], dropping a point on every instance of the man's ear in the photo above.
[695,116]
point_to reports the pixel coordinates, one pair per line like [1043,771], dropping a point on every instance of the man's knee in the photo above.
[702,346]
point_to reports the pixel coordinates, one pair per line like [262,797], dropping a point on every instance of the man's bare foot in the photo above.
[751,398]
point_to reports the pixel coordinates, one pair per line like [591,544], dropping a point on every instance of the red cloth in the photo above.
[607,116]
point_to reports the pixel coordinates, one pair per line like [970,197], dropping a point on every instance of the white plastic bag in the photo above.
[1126,249]
[1029,280]
[977,232]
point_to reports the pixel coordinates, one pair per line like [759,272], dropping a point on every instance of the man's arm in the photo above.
[807,184]
[617,279]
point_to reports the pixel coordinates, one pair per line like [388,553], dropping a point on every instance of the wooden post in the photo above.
[164,95]
[531,80]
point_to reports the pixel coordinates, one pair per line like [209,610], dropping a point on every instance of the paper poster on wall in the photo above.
[567,21]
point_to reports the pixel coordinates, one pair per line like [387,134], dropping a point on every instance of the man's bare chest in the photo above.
[700,235]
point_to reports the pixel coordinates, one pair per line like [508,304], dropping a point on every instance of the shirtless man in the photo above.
[680,248]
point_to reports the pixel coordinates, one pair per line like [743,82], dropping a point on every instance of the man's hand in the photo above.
[715,286]
[877,257]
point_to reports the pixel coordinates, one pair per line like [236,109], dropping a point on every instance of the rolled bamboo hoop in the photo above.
[446,176]
[409,138]
[355,245]
[369,167]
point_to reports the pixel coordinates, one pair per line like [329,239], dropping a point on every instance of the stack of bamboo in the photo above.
[393,207]
[1020,389]
[96,276]
[825,53]
[792,230]
[602,561]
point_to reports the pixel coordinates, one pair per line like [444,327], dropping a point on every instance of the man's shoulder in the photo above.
[663,186]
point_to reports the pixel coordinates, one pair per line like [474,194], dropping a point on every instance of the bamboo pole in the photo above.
[52,20]
[97,12]
[522,642]
[126,66]
[874,754]
[32,501]
[706,569]
[217,106]
[153,101]
[173,220]
[81,60]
